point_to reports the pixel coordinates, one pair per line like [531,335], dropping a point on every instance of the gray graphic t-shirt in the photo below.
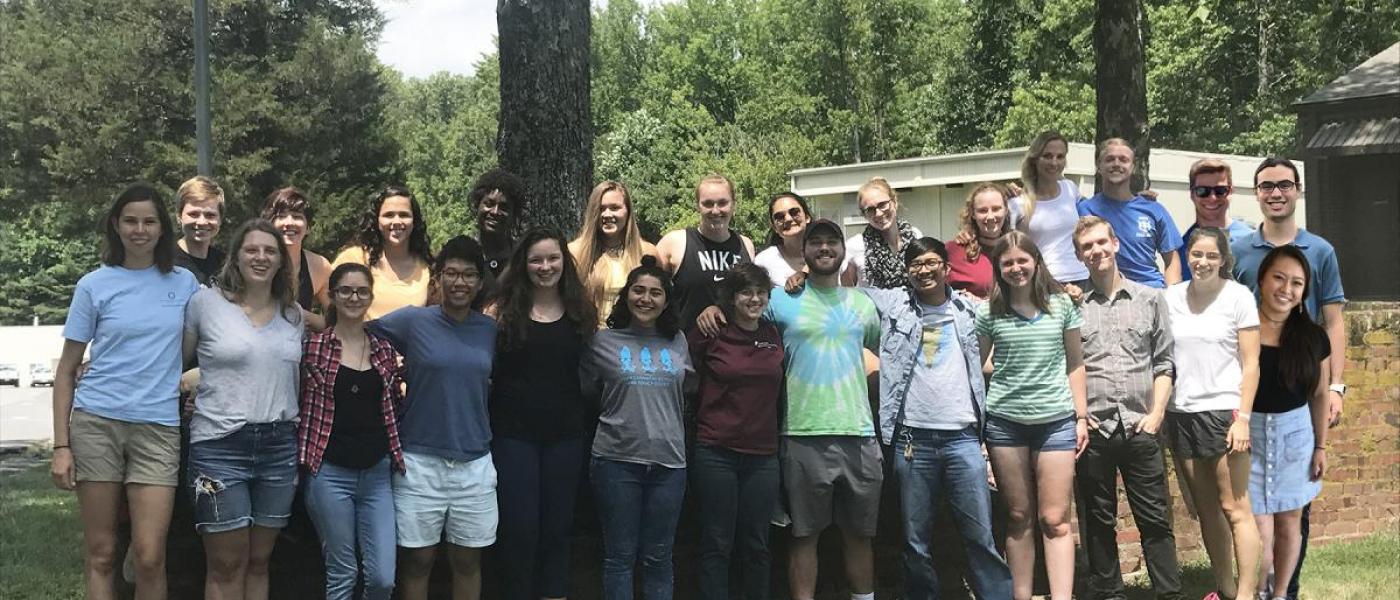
[640,378]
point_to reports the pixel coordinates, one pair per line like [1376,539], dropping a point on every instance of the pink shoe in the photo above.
[1211,596]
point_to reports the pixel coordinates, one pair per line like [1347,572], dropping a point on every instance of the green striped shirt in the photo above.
[1029,384]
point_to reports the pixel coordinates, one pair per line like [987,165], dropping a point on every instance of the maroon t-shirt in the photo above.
[741,384]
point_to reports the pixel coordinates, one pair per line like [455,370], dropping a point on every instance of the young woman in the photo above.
[538,421]
[1291,415]
[289,210]
[1046,210]
[247,332]
[735,466]
[349,441]
[984,220]
[1036,409]
[393,243]
[448,487]
[783,256]
[608,246]
[1215,326]
[874,253]
[117,432]
[639,368]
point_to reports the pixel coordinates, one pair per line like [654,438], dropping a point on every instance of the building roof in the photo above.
[1378,76]
[1356,136]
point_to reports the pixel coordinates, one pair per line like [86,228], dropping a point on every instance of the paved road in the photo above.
[26,415]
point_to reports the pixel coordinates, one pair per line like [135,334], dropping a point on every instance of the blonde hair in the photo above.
[1030,175]
[589,246]
[877,183]
[1207,166]
[966,215]
[713,178]
[199,189]
[1114,141]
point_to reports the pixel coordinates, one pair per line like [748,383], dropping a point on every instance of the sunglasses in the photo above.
[1206,191]
[791,213]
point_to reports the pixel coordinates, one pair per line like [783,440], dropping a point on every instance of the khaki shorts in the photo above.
[122,452]
[826,476]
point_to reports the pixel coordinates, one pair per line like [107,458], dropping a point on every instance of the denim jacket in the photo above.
[901,335]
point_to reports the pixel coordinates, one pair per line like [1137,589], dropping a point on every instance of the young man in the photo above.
[497,199]
[932,398]
[1128,374]
[1147,229]
[697,257]
[200,208]
[1211,186]
[831,461]
[1278,185]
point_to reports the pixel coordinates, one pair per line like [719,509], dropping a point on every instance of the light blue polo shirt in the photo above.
[1144,230]
[1326,285]
[1238,229]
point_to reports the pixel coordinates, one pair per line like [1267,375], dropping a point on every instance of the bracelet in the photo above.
[1319,447]
[61,446]
[1083,418]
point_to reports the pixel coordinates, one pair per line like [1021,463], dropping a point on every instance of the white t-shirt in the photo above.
[1052,229]
[855,255]
[1208,371]
[771,259]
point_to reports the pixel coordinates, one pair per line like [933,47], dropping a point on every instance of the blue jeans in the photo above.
[947,463]
[736,494]
[639,506]
[350,507]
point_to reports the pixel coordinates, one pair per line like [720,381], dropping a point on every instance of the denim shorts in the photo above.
[247,477]
[1040,437]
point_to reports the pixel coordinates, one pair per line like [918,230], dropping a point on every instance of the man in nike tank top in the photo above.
[698,257]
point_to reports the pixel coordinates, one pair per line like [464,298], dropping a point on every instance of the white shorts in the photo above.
[437,496]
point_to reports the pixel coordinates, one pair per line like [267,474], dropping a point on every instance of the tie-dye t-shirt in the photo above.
[823,333]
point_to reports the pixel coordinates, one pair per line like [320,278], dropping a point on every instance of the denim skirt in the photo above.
[1281,449]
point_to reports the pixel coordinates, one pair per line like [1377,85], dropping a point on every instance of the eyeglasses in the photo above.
[751,293]
[791,213]
[467,276]
[1269,186]
[925,265]
[1206,191]
[878,207]
[347,292]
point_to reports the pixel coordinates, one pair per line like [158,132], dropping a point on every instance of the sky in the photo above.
[422,37]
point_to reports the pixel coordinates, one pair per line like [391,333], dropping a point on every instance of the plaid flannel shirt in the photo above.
[320,360]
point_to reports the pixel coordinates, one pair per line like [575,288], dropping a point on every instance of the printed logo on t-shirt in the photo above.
[717,260]
[1144,226]
[649,363]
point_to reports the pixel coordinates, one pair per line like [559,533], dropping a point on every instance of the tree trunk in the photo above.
[1121,79]
[546,128]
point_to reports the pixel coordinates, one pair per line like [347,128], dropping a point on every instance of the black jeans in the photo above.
[736,494]
[536,484]
[1139,458]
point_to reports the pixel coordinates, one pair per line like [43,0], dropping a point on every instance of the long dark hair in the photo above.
[773,238]
[114,253]
[370,238]
[667,323]
[1301,341]
[230,279]
[336,275]
[1042,285]
[514,296]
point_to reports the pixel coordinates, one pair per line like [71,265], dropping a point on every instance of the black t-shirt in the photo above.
[203,269]
[358,437]
[1273,396]
[535,392]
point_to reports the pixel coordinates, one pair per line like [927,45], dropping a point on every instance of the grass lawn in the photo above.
[40,560]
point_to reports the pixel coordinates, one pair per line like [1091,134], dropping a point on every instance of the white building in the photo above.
[932,189]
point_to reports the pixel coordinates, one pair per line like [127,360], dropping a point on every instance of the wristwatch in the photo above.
[1340,388]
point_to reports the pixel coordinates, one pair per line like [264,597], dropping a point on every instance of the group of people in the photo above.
[457,400]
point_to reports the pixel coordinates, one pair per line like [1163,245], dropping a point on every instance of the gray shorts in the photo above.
[826,476]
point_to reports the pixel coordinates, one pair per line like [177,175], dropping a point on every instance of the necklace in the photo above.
[364,358]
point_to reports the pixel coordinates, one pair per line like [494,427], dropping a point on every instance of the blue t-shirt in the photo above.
[449,374]
[823,332]
[1144,230]
[1238,229]
[135,321]
[1326,285]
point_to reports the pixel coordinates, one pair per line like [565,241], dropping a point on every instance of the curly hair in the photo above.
[515,294]
[508,184]
[667,323]
[371,239]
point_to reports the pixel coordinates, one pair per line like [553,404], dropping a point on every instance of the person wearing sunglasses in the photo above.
[1145,228]
[789,216]
[1211,185]
[1278,185]
[349,439]
[873,254]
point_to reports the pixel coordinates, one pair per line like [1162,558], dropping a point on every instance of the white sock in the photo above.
[870,596]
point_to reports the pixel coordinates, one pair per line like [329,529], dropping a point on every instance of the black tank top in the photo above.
[701,270]
[306,292]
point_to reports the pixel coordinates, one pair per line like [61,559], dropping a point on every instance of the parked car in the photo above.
[9,375]
[40,375]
